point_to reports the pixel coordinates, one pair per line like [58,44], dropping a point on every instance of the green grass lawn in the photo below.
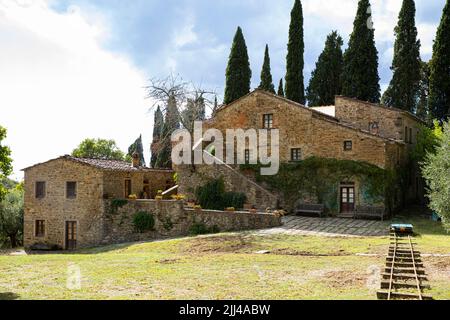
[224,266]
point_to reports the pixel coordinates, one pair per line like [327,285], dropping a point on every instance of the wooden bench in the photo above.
[370,212]
[310,208]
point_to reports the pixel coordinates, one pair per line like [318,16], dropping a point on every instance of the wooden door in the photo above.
[347,199]
[71,235]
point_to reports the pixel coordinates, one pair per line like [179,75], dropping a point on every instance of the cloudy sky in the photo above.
[72,69]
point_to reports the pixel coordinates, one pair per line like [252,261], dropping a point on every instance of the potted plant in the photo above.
[191,203]
[132,197]
[230,209]
[159,195]
[198,208]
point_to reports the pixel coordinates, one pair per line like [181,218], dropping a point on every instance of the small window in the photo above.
[71,190]
[40,228]
[40,190]
[268,121]
[296,154]
[127,188]
[406,134]
[348,145]
[247,156]
[410,136]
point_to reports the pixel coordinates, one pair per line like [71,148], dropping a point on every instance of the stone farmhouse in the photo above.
[75,203]
[349,130]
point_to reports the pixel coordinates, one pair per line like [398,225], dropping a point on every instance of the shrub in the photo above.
[143,222]
[436,170]
[200,228]
[212,196]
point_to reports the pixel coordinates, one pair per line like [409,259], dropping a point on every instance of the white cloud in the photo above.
[59,86]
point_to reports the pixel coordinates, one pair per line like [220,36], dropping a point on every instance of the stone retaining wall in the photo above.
[172,220]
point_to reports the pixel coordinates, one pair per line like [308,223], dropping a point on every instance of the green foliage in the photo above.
[325,82]
[360,74]
[116,204]
[200,228]
[427,141]
[143,222]
[99,149]
[195,111]
[281,88]
[439,100]
[138,147]
[318,178]
[157,134]
[422,108]
[213,196]
[404,87]
[11,217]
[266,75]
[5,161]
[295,87]
[436,171]
[238,73]
[171,124]
[167,224]
[234,200]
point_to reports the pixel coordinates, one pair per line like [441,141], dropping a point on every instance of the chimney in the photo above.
[136,160]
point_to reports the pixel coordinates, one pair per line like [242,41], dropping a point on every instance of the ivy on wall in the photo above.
[319,178]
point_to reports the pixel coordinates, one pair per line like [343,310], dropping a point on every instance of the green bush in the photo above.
[200,228]
[143,222]
[212,196]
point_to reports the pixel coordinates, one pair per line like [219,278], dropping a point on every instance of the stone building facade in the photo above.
[66,195]
[350,130]
[68,205]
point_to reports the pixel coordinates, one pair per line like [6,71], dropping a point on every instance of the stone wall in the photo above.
[55,209]
[235,181]
[172,219]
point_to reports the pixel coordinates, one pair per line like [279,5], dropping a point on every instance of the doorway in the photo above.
[71,235]
[347,199]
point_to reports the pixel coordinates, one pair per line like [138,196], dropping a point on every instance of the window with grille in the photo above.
[40,190]
[296,154]
[71,190]
[348,145]
[268,121]
[40,228]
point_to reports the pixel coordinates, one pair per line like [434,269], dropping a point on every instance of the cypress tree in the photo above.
[266,75]
[138,147]
[403,89]
[157,133]
[295,87]
[281,88]
[439,100]
[360,74]
[424,89]
[325,82]
[238,73]
[171,123]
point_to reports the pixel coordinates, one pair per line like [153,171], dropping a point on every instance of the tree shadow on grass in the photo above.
[8,296]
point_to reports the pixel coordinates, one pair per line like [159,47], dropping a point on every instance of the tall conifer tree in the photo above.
[295,87]
[266,75]
[439,100]
[360,74]
[238,73]
[157,133]
[325,82]
[281,88]
[138,147]
[403,89]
